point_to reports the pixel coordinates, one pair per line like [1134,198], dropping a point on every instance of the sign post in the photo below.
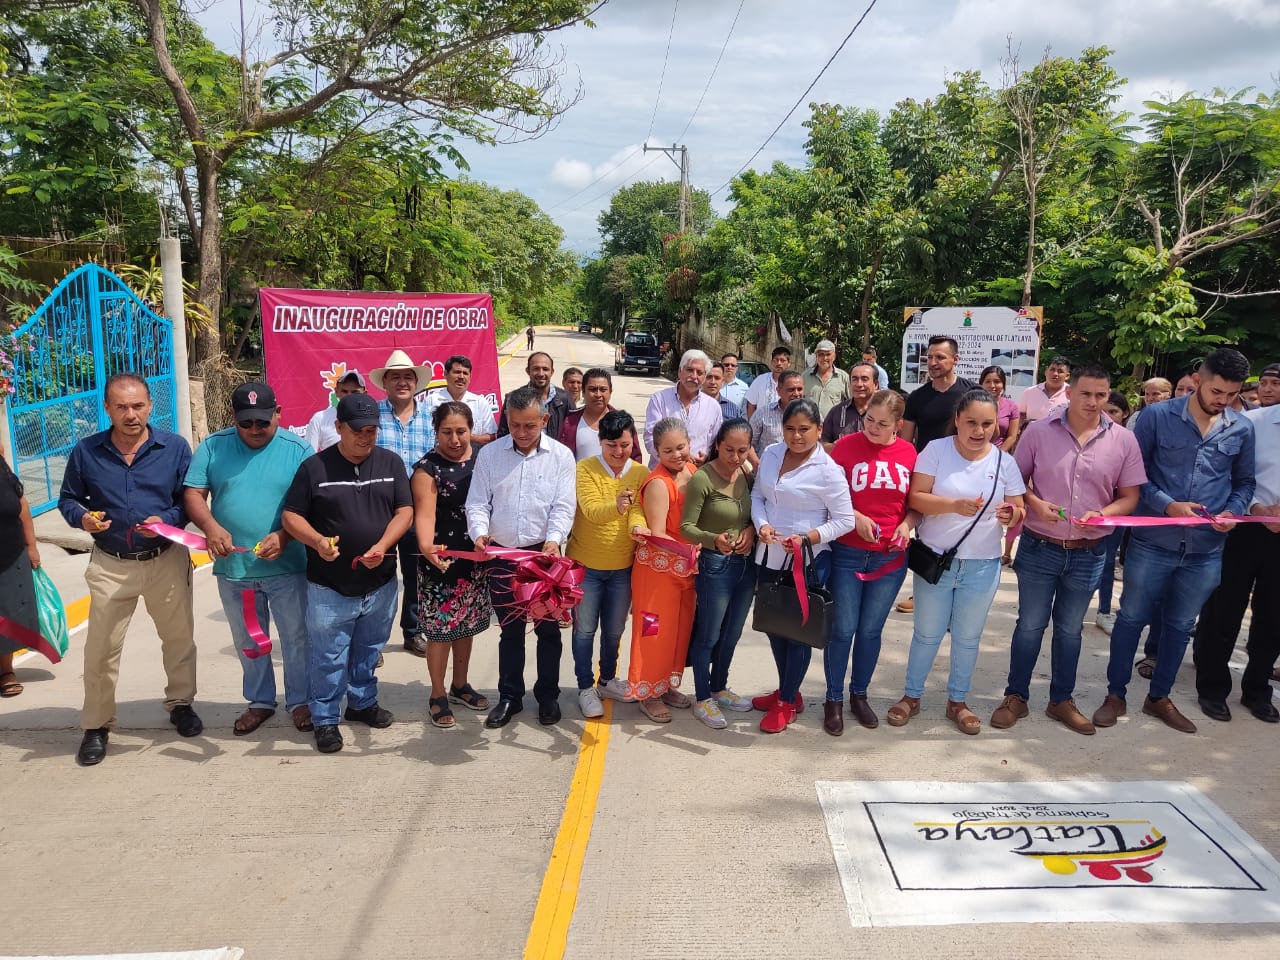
[1005,337]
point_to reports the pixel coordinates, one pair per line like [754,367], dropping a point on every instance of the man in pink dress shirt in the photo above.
[1078,464]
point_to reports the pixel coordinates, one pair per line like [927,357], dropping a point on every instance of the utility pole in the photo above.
[683,164]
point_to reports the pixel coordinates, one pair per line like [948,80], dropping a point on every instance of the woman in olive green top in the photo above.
[717,517]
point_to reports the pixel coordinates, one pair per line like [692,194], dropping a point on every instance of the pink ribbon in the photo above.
[542,587]
[29,638]
[687,551]
[797,576]
[890,567]
[648,624]
[262,643]
[192,541]
[1171,521]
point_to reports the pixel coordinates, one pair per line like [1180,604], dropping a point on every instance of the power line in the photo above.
[612,188]
[799,100]
[714,68]
[608,170]
[663,75]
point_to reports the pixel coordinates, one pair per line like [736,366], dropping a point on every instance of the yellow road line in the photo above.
[503,361]
[549,932]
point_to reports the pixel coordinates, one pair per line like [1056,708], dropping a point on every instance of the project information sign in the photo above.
[311,339]
[1006,337]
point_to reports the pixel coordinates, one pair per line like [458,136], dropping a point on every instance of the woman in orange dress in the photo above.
[662,597]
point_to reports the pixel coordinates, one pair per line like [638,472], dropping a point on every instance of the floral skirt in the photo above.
[452,603]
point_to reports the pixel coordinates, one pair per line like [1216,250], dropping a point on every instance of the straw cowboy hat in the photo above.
[399,360]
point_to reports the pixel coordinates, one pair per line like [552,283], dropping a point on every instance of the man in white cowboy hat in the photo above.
[405,429]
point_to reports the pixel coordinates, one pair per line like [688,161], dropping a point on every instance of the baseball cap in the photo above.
[357,411]
[253,401]
[355,375]
[1270,370]
[824,345]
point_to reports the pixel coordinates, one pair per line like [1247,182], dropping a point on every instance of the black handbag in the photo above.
[777,606]
[930,566]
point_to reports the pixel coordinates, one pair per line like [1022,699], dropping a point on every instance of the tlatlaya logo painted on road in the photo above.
[1064,842]
[927,852]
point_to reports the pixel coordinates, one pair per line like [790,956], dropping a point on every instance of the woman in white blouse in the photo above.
[799,492]
[960,481]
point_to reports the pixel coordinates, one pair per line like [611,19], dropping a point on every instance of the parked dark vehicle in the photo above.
[638,351]
[584,326]
[748,370]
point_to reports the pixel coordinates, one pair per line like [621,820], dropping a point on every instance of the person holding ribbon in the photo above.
[717,517]
[259,568]
[349,506]
[608,508]
[1077,464]
[967,489]
[799,493]
[116,482]
[19,555]
[1199,457]
[453,593]
[662,597]
[868,564]
[522,497]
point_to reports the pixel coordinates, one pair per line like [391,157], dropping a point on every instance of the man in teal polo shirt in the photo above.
[248,468]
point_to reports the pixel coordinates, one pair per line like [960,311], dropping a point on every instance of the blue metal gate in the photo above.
[91,327]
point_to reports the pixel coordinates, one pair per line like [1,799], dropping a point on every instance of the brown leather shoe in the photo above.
[1112,708]
[1012,709]
[1163,709]
[833,717]
[863,713]
[1069,715]
[906,606]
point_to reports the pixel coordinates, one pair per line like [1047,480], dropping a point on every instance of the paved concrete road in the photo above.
[416,842]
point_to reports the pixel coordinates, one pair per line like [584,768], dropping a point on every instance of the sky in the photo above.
[642,71]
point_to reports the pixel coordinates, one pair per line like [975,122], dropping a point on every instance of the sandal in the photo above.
[301,716]
[441,715]
[674,698]
[966,720]
[1146,667]
[251,720]
[9,685]
[655,710]
[902,711]
[468,697]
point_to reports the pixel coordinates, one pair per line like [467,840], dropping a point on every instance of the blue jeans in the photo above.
[1056,584]
[346,635]
[959,602]
[724,589]
[283,598]
[606,598]
[1107,583]
[790,657]
[861,609]
[407,552]
[1174,583]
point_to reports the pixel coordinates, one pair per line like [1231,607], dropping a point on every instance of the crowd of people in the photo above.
[821,467]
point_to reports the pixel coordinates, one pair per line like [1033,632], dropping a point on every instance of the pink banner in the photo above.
[312,338]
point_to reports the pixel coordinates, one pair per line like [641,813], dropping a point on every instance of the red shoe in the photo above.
[768,701]
[778,718]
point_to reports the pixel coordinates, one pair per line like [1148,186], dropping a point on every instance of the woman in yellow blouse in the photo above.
[608,508]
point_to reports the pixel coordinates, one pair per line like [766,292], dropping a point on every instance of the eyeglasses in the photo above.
[255,424]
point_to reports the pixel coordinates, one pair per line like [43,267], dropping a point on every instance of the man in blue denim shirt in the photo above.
[1199,459]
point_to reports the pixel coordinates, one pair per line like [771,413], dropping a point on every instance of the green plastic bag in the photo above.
[53,617]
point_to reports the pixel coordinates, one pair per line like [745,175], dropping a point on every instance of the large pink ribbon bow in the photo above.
[543,587]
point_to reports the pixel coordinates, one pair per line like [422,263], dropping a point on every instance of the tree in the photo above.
[476,66]
[640,215]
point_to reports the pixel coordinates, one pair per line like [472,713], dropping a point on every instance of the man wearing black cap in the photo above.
[248,468]
[116,480]
[349,506]
[321,431]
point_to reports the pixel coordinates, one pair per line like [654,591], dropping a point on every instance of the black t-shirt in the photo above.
[354,502]
[13,542]
[932,412]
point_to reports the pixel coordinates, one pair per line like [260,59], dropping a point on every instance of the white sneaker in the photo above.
[589,703]
[708,711]
[1105,622]
[733,701]
[615,689]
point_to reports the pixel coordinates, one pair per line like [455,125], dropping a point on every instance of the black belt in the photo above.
[138,554]
[1080,543]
